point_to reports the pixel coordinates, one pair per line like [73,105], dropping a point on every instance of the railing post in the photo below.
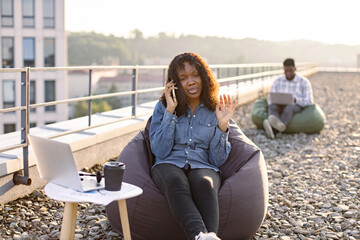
[90,101]
[251,72]
[237,83]
[25,101]
[218,73]
[164,80]
[134,88]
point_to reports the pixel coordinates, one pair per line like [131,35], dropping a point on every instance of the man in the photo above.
[300,88]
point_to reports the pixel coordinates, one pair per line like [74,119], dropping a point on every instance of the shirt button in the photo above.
[208,124]
[190,139]
[188,115]
[190,127]
[194,115]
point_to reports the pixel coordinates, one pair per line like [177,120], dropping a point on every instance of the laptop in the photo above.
[56,163]
[281,98]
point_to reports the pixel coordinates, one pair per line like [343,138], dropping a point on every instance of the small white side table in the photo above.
[72,198]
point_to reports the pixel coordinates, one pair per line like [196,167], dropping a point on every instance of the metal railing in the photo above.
[240,72]
[340,69]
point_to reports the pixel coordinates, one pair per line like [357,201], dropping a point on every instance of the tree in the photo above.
[136,34]
[92,48]
[100,107]
[81,108]
[114,102]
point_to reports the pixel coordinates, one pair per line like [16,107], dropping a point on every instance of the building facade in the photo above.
[32,34]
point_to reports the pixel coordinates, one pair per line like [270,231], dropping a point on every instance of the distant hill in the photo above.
[97,49]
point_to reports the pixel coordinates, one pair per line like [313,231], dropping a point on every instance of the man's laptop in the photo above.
[56,163]
[281,98]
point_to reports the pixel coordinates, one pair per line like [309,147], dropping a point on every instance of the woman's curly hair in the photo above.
[210,86]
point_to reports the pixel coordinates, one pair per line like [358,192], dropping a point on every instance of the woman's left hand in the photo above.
[224,111]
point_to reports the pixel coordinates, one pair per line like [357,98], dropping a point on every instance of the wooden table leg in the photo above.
[124,219]
[69,221]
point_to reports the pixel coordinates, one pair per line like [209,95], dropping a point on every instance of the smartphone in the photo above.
[173,95]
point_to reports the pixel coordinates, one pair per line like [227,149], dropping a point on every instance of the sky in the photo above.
[327,21]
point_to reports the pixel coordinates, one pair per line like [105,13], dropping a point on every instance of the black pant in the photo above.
[192,196]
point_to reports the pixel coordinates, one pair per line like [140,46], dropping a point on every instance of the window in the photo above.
[32,95]
[7,13]
[28,13]
[7,47]
[29,52]
[49,52]
[32,124]
[49,14]
[8,128]
[8,92]
[50,94]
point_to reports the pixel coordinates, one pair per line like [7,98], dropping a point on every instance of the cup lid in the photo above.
[113,164]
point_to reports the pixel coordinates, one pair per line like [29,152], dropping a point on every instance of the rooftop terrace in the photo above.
[99,137]
[313,178]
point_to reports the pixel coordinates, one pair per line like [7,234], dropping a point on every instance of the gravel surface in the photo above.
[314,180]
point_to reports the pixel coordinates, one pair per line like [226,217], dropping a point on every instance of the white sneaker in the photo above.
[276,123]
[268,129]
[207,236]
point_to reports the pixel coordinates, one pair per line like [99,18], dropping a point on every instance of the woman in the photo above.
[189,138]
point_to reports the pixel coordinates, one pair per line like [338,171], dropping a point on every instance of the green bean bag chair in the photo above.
[310,120]
[243,195]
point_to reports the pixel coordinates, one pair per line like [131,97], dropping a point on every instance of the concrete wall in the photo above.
[86,157]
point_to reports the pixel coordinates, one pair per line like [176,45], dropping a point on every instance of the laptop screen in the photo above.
[55,162]
[281,98]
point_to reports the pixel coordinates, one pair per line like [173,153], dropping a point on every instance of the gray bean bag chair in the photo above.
[310,120]
[243,196]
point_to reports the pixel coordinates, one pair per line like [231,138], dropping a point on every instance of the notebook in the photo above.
[281,98]
[56,163]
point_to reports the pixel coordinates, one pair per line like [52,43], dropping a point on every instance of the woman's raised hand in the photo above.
[170,103]
[224,111]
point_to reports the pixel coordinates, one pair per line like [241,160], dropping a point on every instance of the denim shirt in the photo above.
[193,140]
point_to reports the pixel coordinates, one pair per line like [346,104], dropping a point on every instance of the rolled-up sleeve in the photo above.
[220,148]
[162,129]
